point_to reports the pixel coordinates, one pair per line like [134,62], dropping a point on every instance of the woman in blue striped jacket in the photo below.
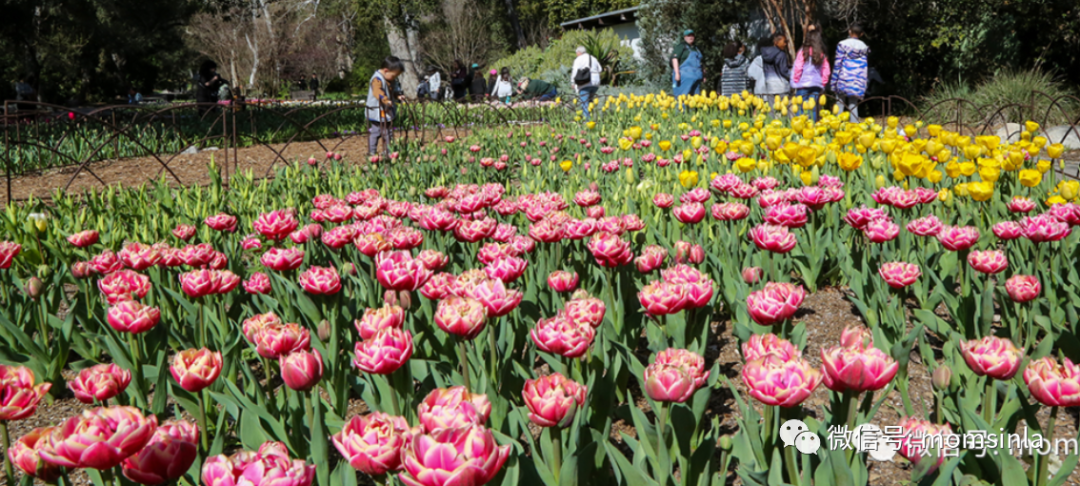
[849,74]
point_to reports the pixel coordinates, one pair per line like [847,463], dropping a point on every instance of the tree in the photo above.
[461,33]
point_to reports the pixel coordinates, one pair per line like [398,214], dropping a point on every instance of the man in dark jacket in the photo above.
[313,85]
[478,86]
[776,67]
[538,89]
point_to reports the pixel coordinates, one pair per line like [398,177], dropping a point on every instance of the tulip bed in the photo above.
[484,310]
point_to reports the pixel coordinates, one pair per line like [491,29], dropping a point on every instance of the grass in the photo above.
[1015,94]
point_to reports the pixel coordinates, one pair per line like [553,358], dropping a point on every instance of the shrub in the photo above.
[540,63]
[998,92]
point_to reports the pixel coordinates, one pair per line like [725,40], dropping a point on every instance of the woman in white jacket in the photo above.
[504,86]
[586,90]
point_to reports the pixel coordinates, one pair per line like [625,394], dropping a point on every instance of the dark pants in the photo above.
[378,130]
[809,93]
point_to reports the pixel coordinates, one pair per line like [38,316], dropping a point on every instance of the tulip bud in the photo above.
[40,221]
[941,378]
[324,330]
[34,287]
[405,299]
[725,443]
[390,298]
[348,269]
[81,270]
[43,271]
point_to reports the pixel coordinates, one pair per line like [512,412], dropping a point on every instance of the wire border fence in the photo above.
[275,126]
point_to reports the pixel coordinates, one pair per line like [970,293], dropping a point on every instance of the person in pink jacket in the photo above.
[810,73]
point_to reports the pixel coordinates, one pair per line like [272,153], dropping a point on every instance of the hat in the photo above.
[687,32]
[475,65]
[493,72]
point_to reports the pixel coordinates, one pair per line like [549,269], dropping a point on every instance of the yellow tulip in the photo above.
[696,142]
[1054,151]
[989,174]
[972,152]
[893,122]
[1031,126]
[626,143]
[1069,189]
[566,165]
[1030,178]
[910,164]
[773,142]
[665,145]
[866,139]
[887,145]
[849,161]
[934,176]
[1055,200]
[933,130]
[961,190]
[968,168]
[629,175]
[981,191]
[1043,166]
[1039,142]
[688,178]
[879,181]
[746,164]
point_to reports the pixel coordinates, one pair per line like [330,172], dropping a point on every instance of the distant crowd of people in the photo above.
[774,73]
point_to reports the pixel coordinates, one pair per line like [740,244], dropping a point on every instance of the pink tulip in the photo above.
[373,443]
[320,280]
[925,226]
[385,352]
[99,383]
[301,370]
[275,225]
[25,454]
[195,369]
[199,283]
[751,275]
[433,260]
[1066,213]
[439,286]
[553,400]
[257,283]
[467,456]
[169,454]
[773,238]
[563,281]
[82,270]
[958,238]
[496,298]
[1008,230]
[690,362]
[663,200]
[221,222]
[184,232]
[282,259]
[83,239]
[276,339]
[690,213]
[124,285]
[338,236]
[587,198]
[251,243]
[779,382]
[562,336]
[881,230]
[398,270]
[857,368]
[197,256]
[271,465]
[609,250]
[586,310]
[775,303]
[133,316]
[698,288]
[375,320]
[917,437]
[506,269]
[789,215]
[652,257]
[988,261]
[661,298]
[405,238]
[472,231]
[762,345]
[447,408]
[19,397]
[105,263]
[1023,288]
[100,438]
[1020,204]
[855,336]
[730,211]
[1053,384]
[992,356]
[1044,228]
[899,274]
[858,218]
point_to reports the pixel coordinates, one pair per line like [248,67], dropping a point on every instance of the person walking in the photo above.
[585,78]
[775,68]
[313,85]
[850,78]
[380,104]
[733,78]
[459,80]
[207,86]
[504,86]
[493,77]
[686,73]
[810,74]
[755,72]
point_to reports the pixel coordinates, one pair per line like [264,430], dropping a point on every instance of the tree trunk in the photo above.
[512,13]
[399,47]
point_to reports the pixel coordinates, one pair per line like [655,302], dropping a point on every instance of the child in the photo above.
[849,79]
[380,104]
[503,87]
[810,74]
[733,78]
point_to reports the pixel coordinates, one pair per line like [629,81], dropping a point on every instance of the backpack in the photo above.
[224,93]
[584,75]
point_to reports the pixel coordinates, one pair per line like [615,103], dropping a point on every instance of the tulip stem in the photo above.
[493,349]
[1044,461]
[464,363]
[988,412]
[660,444]
[8,470]
[136,365]
[394,393]
[202,418]
[556,452]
